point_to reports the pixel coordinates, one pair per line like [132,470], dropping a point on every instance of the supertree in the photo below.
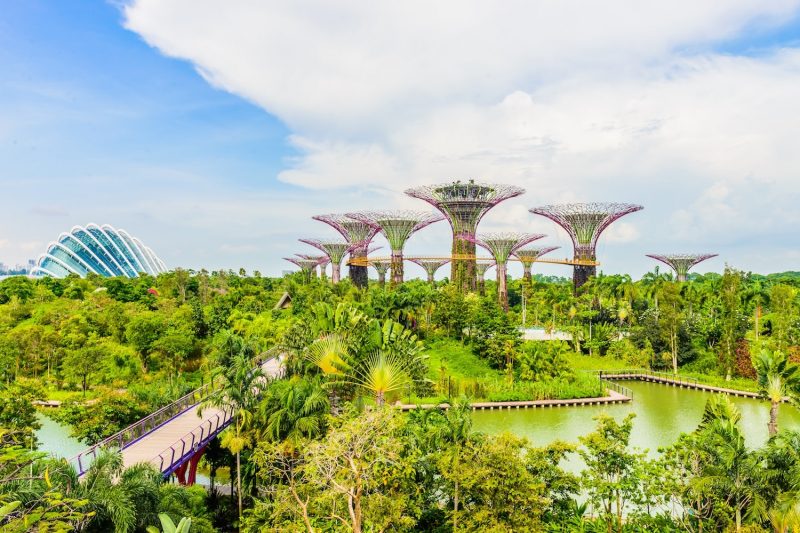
[584,223]
[397,227]
[430,266]
[381,266]
[464,204]
[322,261]
[335,250]
[528,256]
[501,246]
[681,263]
[307,266]
[480,270]
[354,231]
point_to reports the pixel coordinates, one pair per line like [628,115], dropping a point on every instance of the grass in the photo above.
[595,362]
[64,395]
[458,360]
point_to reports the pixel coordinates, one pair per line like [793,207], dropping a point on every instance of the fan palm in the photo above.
[777,379]
[381,373]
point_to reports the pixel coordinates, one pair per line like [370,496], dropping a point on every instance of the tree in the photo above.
[670,318]
[612,474]
[143,330]
[777,379]
[292,411]
[730,319]
[239,388]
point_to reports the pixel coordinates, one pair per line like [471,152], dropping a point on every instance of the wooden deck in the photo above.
[677,382]
[612,398]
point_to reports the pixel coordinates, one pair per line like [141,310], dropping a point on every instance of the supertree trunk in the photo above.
[463,270]
[502,286]
[335,272]
[358,271]
[527,277]
[581,274]
[382,279]
[397,267]
[430,278]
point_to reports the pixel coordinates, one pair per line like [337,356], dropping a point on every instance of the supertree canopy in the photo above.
[464,204]
[681,263]
[397,227]
[501,246]
[381,266]
[354,231]
[308,266]
[528,256]
[585,223]
[335,250]
[322,261]
[430,266]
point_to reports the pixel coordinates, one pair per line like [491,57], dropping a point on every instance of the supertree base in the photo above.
[581,275]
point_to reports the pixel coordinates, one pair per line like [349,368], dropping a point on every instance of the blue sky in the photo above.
[213,131]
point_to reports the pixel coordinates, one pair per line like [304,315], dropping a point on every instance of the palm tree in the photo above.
[455,433]
[381,373]
[777,379]
[293,410]
[241,384]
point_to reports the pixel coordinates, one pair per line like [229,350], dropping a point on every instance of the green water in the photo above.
[56,440]
[662,414]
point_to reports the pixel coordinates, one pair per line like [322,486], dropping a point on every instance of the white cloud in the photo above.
[572,100]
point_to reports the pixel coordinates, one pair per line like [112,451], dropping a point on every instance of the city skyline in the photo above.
[215,139]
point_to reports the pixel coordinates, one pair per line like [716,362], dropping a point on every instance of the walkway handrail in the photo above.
[186,446]
[637,372]
[625,391]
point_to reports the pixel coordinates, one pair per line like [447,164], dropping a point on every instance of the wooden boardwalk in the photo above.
[675,382]
[612,398]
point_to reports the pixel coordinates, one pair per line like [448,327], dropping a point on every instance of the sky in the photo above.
[214,130]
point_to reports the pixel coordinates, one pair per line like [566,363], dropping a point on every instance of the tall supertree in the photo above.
[501,246]
[681,263]
[354,231]
[528,256]
[307,266]
[464,204]
[381,266]
[335,250]
[585,223]
[430,266]
[397,227]
[322,261]
[480,270]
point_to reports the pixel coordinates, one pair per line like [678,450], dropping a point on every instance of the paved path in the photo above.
[171,441]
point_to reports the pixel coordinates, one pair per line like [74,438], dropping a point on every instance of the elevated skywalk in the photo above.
[174,437]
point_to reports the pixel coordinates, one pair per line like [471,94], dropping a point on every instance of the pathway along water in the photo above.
[662,414]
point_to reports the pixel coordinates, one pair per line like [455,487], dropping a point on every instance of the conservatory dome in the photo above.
[101,250]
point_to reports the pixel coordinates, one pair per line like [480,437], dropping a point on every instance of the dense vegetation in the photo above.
[322,449]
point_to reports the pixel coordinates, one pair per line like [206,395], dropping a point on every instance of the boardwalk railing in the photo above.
[625,391]
[639,373]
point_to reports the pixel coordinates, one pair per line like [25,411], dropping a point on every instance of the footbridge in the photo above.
[174,438]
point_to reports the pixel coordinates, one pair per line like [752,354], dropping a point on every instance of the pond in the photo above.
[55,439]
[662,414]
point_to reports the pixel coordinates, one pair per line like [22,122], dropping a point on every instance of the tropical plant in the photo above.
[777,379]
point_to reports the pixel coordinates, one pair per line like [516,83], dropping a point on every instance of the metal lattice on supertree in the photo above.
[501,246]
[528,256]
[397,227]
[353,231]
[681,263]
[381,266]
[480,271]
[335,250]
[322,261]
[430,266]
[585,223]
[464,204]
[307,266]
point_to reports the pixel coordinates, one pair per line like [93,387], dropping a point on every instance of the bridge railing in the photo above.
[181,450]
[633,372]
